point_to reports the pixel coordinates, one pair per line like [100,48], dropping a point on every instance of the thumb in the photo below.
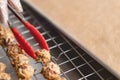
[16,5]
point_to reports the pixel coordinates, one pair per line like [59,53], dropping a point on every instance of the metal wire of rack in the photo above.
[74,62]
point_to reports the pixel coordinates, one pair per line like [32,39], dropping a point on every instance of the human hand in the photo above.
[4,9]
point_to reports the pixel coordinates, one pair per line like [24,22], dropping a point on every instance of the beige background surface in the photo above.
[94,23]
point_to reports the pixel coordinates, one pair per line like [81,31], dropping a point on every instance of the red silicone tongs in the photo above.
[22,41]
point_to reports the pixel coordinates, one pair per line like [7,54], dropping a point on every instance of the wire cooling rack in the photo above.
[74,62]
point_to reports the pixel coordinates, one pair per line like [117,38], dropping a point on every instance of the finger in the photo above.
[3,12]
[16,5]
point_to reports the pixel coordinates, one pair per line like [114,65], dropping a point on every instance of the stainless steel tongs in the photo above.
[21,40]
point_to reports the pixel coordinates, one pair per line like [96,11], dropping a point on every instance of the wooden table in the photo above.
[93,23]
